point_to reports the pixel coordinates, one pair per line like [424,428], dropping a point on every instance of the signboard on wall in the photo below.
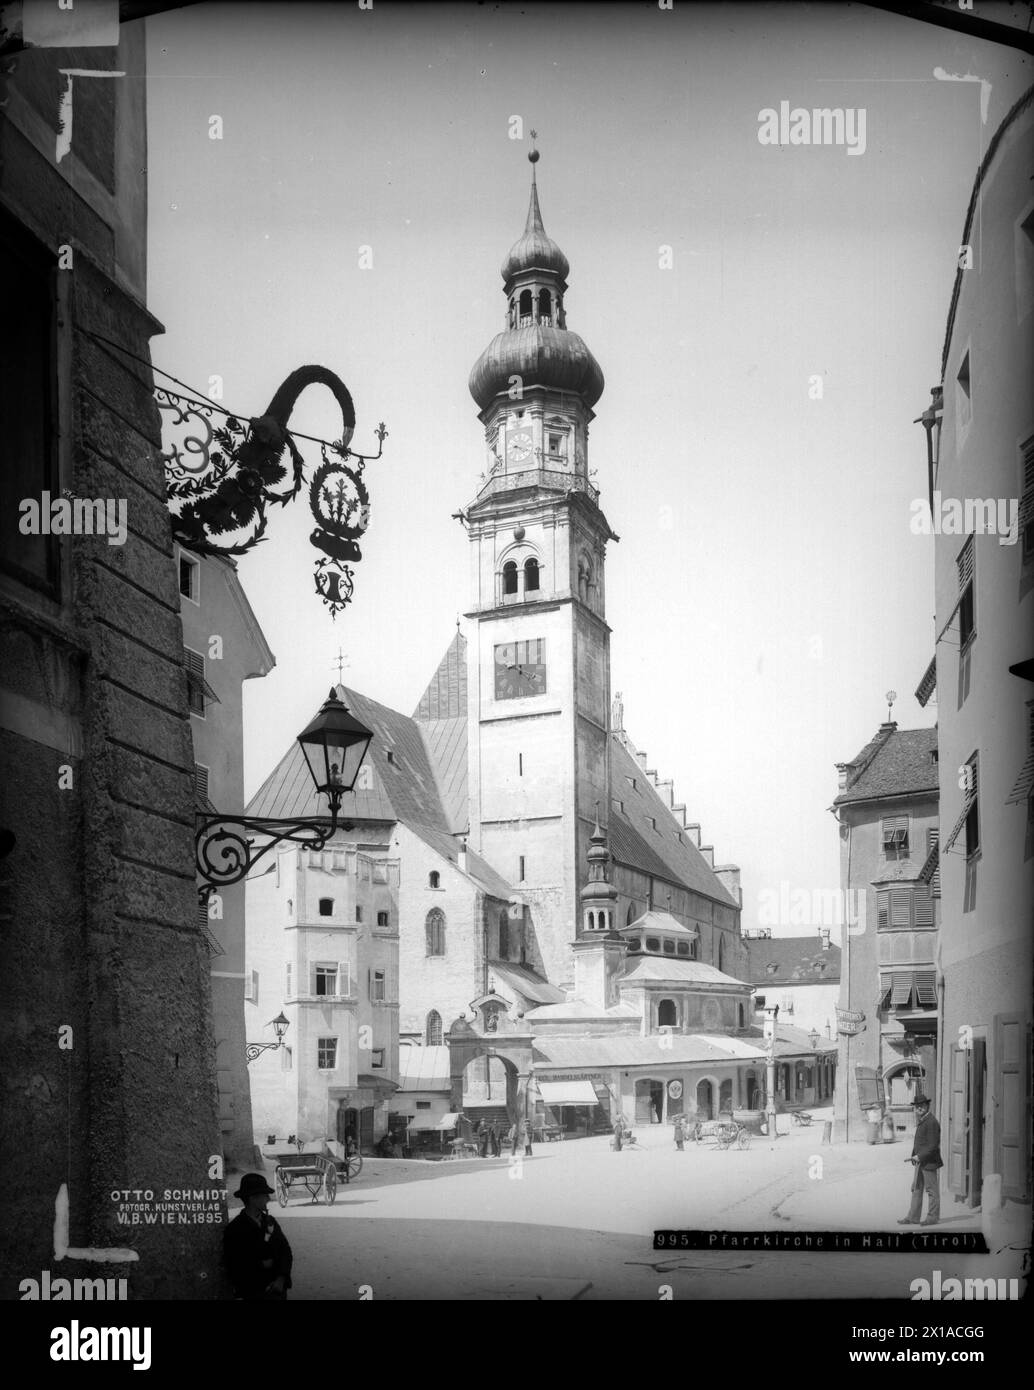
[850,1022]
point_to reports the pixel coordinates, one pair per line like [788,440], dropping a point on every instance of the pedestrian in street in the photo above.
[511,1139]
[680,1135]
[619,1132]
[493,1140]
[527,1138]
[396,1147]
[481,1135]
[926,1161]
[256,1254]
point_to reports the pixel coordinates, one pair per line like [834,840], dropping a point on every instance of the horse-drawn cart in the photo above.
[726,1133]
[318,1173]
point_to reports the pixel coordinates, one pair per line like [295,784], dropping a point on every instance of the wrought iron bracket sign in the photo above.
[224,477]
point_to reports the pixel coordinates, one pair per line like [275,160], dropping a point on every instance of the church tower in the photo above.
[539,659]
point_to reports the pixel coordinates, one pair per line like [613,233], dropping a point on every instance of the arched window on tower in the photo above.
[504,935]
[435,931]
[510,577]
[561,318]
[545,307]
[524,310]
[531,575]
[433,1029]
[666,1013]
[512,316]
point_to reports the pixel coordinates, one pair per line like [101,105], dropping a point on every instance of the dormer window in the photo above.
[634,943]
[683,948]
[653,943]
[669,947]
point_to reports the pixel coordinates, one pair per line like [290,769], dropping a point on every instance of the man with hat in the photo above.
[257,1256]
[926,1158]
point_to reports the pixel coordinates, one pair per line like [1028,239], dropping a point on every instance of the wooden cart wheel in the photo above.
[354,1163]
[330,1184]
[282,1187]
[743,1139]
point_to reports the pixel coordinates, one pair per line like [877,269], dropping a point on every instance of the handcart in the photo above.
[317,1173]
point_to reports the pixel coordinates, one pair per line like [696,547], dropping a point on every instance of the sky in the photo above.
[754,446]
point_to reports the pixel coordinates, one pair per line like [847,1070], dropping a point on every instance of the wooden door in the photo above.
[977,1080]
[1010,1100]
[958,1122]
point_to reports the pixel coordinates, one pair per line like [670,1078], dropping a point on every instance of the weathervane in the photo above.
[891,696]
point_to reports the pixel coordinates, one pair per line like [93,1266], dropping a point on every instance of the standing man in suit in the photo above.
[926,1159]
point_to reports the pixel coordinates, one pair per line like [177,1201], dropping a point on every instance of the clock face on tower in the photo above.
[519,444]
[520,669]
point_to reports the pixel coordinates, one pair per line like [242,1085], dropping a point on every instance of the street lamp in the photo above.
[771,1012]
[280,1026]
[334,745]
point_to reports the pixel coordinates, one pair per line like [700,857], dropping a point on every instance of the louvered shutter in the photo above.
[925,987]
[901,991]
[965,564]
[900,903]
[882,911]
[922,903]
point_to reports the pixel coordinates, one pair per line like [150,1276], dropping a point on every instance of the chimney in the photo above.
[728,876]
[824,935]
[641,760]
[461,858]
[679,812]
[708,852]
[693,831]
[666,789]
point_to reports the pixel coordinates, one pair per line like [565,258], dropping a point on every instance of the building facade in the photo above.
[887,813]
[223,647]
[801,974]
[982,447]
[107,1035]
[323,949]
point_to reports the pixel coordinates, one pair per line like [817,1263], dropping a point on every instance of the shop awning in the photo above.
[449,1121]
[568,1093]
[421,1122]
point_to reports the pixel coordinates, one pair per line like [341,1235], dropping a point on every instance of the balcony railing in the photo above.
[540,477]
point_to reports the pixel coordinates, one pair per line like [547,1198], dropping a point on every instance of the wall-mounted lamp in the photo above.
[280,1026]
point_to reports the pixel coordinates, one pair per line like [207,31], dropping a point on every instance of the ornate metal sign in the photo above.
[224,477]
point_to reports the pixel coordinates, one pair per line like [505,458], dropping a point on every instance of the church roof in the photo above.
[665,969]
[404,786]
[644,834]
[442,718]
[541,356]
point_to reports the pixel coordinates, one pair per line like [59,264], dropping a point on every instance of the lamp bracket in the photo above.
[225,852]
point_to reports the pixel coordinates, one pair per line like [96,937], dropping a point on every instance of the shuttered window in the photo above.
[895,837]
[967,619]
[1026,517]
[900,899]
[922,904]
[199,692]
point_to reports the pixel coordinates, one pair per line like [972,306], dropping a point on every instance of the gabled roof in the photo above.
[660,851]
[797,961]
[644,969]
[404,786]
[897,762]
[478,869]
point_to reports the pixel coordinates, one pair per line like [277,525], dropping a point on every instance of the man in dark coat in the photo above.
[257,1256]
[926,1159]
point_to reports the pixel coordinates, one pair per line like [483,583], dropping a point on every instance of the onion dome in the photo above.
[535,250]
[537,346]
[540,356]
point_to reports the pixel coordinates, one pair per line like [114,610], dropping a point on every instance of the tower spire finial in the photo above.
[534,221]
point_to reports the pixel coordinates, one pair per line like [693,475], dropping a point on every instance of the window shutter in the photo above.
[287,980]
[922,904]
[882,911]
[926,987]
[965,564]
[901,991]
[900,915]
